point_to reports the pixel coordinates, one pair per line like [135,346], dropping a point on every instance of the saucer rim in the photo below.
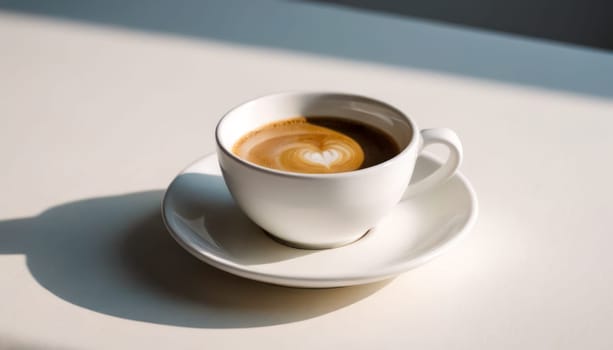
[209,256]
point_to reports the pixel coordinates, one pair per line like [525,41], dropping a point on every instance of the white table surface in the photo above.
[96,120]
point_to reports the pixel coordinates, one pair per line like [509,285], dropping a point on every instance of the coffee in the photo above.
[317,144]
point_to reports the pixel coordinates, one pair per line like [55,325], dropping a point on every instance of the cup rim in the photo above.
[283,173]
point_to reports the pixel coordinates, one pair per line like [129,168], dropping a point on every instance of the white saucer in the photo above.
[201,215]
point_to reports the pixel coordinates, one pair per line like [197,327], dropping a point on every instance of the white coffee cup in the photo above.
[319,211]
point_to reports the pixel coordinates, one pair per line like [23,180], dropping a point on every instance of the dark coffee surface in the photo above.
[377,145]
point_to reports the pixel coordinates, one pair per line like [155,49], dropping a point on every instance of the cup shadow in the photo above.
[113,255]
[202,205]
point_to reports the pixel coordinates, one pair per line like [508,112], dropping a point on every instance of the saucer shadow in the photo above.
[113,255]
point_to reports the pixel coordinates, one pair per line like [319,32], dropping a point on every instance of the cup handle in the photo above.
[448,138]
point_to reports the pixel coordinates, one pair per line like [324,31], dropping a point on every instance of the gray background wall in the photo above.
[587,22]
[398,33]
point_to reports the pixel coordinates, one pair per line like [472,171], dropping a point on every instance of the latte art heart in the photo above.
[298,146]
[326,157]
